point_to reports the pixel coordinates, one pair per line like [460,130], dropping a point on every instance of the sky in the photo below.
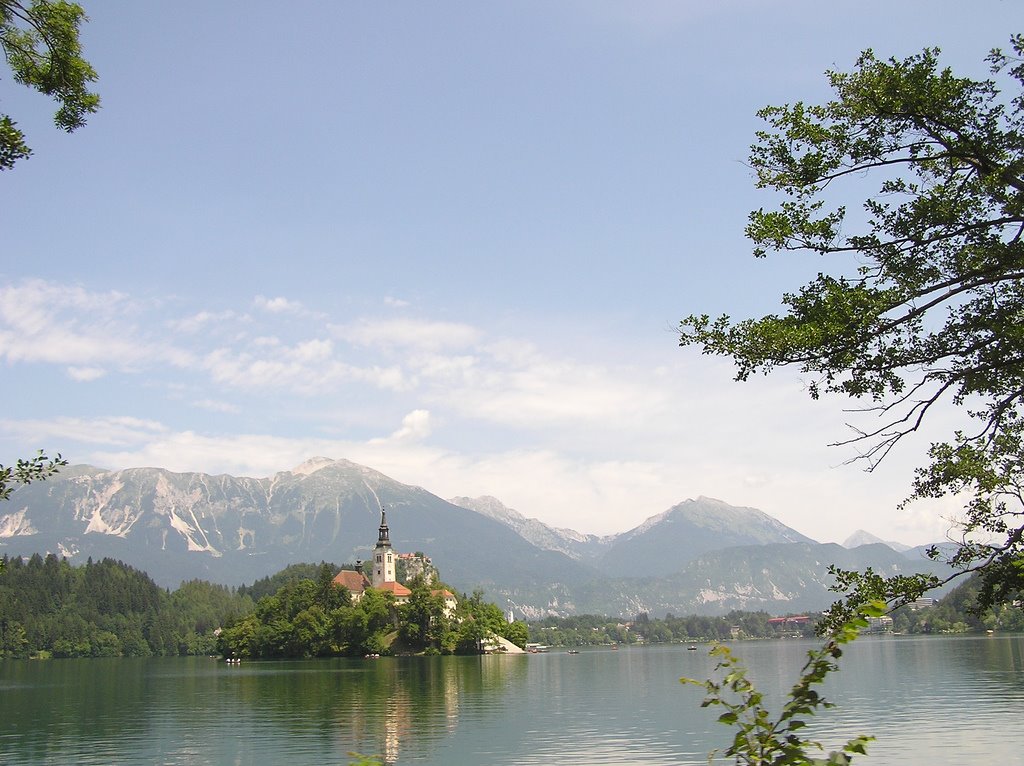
[449,241]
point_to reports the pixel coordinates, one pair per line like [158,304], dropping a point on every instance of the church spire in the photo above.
[383,556]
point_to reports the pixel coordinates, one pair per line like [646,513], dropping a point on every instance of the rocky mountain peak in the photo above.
[312,465]
[489,506]
[861,537]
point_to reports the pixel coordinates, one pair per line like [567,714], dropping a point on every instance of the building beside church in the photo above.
[383,573]
[414,564]
[353,581]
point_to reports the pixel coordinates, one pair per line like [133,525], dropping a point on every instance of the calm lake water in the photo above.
[927,700]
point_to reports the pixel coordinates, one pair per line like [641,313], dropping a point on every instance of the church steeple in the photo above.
[383,555]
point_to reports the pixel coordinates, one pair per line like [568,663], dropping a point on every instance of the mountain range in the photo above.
[700,556]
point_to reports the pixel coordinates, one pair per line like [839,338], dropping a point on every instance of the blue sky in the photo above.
[450,241]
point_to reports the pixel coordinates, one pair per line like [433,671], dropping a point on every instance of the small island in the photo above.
[350,614]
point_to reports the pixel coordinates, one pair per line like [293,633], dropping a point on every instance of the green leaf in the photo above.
[40,41]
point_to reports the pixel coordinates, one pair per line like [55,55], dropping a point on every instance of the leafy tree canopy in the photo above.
[40,42]
[37,468]
[293,573]
[923,297]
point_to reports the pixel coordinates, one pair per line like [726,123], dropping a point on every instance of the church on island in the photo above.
[384,572]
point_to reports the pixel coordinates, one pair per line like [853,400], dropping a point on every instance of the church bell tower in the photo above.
[383,555]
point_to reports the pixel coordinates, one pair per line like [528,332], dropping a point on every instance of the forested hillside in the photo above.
[49,608]
[106,609]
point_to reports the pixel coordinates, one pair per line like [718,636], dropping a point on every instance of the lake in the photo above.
[928,700]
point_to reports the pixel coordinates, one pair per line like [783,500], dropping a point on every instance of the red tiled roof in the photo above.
[397,588]
[356,582]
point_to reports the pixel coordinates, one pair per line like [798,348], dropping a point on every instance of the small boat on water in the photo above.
[573,651]
[691,648]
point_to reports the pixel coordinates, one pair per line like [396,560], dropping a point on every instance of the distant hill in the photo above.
[779,578]
[660,545]
[860,537]
[577,545]
[700,556]
[664,543]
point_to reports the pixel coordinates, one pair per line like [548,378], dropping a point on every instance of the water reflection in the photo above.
[39,717]
[199,711]
[924,698]
[387,707]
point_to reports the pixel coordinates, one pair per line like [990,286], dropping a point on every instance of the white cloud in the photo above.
[214,405]
[44,322]
[113,431]
[201,320]
[416,427]
[308,367]
[313,351]
[68,325]
[86,374]
[443,370]
[240,455]
[514,384]
[32,302]
[278,305]
[423,335]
